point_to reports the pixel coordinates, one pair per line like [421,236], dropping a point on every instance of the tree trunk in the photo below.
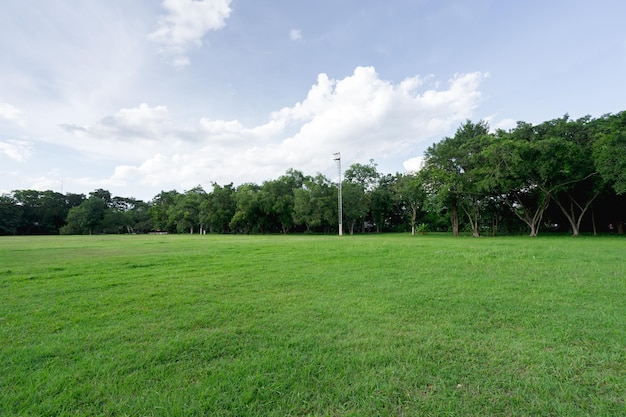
[472,216]
[532,221]
[454,216]
[572,215]
[593,221]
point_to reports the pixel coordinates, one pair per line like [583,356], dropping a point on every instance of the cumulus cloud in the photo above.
[17,150]
[11,113]
[185,24]
[362,115]
[414,164]
[504,124]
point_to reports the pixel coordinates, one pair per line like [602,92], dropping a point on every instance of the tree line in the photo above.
[561,175]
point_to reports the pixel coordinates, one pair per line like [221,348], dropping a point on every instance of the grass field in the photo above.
[379,325]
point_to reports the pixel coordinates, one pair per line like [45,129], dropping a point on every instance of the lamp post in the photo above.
[340,205]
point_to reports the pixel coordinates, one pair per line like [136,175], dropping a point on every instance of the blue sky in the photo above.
[142,96]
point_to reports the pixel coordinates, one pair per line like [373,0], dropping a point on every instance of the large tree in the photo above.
[219,208]
[10,215]
[160,207]
[185,213]
[315,204]
[360,181]
[411,192]
[277,199]
[247,217]
[609,151]
[86,218]
[515,160]
[454,170]
[567,167]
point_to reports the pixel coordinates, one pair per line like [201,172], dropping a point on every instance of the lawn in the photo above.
[377,325]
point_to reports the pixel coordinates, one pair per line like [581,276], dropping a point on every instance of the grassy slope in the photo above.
[367,325]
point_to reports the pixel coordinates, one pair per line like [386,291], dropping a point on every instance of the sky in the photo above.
[138,97]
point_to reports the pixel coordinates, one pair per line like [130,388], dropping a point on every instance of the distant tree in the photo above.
[609,151]
[515,159]
[384,208]
[43,212]
[86,218]
[185,212]
[566,164]
[315,204]
[411,192]
[277,199]
[454,171]
[219,208]
[160,207]
[247,212]
[359,182]
[103,195]
[10,214]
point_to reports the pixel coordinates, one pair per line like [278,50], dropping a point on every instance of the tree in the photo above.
[384,207]
[218,209]
[103,195]
[315,204]
[411,192]
[567,165]
[277,199]
[609,151]
[43,212]
[160,207]
[247,213]
[359,183]
[10,215]
[185,212]
[515,160]
[454,170]
[86,218]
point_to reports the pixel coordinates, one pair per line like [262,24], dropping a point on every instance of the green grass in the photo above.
[385,325]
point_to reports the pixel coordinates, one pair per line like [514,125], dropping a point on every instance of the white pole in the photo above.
[339,203]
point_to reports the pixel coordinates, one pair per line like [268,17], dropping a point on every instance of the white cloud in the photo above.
[295,34]
[414,164]
[361,115]
[186,23]
[504,124]
[18,150]
[129,134]
[44,183]
[11,113]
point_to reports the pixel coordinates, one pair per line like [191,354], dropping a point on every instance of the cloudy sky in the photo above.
[142,96]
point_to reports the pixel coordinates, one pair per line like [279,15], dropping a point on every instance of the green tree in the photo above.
[277,199]
[160,207]
[411,192]
[86,218]
[315,204]
[10,215]
[359,182]
[185,212]
[454,171]
[609,151]
[515,160]
[567,165]
[384,207]
[248,211]
[219,208]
